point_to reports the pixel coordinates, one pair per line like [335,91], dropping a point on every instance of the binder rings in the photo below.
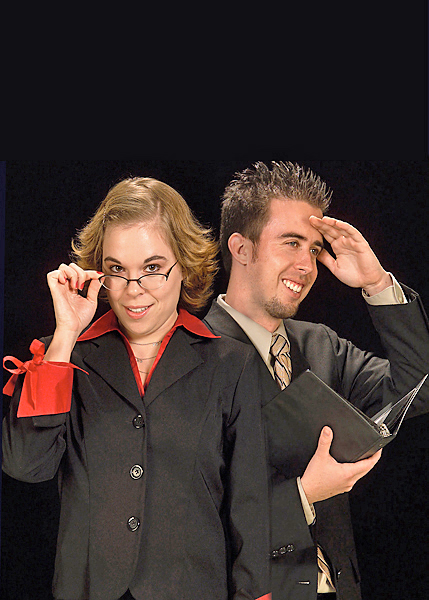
[295,417]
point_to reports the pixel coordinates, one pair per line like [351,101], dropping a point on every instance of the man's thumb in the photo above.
[326,437]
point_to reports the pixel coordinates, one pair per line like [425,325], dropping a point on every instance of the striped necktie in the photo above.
[280,350]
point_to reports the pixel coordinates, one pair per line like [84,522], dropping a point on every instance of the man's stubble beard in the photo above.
[278,310]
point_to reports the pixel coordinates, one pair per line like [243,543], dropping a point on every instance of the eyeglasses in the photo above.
[151,281]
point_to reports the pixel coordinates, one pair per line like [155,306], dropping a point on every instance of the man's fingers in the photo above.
[368,463]
[327,259]
[325,439]
[332,229]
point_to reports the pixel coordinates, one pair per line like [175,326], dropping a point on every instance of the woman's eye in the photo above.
[152,268]
[116,269]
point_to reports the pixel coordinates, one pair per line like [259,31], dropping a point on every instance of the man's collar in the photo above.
[258,335]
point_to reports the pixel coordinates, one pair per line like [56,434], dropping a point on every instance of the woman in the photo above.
[152,422]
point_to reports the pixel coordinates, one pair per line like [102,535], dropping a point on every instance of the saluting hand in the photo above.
[354,264]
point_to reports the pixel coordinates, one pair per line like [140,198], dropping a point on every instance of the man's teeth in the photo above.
[137,310]
[295,287]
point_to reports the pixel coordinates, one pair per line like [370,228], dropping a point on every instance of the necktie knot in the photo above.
[280,350]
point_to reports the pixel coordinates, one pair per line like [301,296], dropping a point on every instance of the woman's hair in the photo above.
[246,200]
[146,200]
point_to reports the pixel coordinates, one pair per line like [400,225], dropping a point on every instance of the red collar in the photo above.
[109,322]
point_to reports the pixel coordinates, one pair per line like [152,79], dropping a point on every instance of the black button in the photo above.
[136,472]
[138,422]
[290,548]
[133,523]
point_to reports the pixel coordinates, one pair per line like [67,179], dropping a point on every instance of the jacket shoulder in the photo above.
[306,328]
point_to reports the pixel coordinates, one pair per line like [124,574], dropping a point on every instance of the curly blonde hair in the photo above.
[143,199]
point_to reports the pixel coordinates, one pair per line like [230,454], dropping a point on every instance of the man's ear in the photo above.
[241,248]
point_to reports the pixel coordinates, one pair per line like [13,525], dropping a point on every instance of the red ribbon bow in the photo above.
[47,385]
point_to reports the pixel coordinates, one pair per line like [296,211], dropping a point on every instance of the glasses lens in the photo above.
[149,282]
[152,282]
[113,283]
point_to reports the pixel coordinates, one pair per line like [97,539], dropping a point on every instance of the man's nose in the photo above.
[306,262]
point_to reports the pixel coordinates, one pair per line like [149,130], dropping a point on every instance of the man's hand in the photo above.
[324,477]
[355,264]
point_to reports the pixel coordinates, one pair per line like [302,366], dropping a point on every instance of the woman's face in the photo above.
[133,251]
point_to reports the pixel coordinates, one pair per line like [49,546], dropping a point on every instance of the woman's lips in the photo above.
[136,312]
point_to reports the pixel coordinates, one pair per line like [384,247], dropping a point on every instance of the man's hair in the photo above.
[246,200]
[146,200]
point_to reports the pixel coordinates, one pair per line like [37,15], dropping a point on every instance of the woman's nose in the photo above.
[134,288]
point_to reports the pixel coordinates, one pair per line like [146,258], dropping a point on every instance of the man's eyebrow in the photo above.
[299,236]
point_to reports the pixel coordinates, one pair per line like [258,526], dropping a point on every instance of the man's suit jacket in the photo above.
[368,382]
[150,488]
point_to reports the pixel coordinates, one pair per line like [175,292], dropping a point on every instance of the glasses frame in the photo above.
[138,280]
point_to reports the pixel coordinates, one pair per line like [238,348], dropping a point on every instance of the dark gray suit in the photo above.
[158,494]
[368,382]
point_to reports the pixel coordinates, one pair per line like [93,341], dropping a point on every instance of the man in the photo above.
[272,236]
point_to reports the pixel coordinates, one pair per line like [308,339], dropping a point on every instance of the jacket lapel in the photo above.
[179,359]
[299,362]
[109,358]
[221,322]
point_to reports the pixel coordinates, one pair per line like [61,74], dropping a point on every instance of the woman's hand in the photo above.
[73,312]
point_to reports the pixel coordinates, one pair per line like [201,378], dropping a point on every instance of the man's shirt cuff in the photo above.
[309,512]
[391,295]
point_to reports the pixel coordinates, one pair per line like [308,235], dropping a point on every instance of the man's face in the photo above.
[284,264]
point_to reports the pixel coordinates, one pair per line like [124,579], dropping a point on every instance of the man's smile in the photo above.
[293,285]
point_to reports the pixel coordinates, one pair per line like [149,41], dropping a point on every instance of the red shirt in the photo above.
[47,387]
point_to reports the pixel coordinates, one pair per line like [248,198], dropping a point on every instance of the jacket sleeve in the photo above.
[33,445]
[404,333]
[370,382]
[247,490]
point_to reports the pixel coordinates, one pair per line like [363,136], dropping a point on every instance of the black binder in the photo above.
[295,417]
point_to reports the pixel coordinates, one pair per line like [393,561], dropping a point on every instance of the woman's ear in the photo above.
[241,248]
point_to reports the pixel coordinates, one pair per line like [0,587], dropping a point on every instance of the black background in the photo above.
[47,201]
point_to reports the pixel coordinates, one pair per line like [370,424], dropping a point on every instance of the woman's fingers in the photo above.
[73,311]
[93,288]
[73,275]
[69,274]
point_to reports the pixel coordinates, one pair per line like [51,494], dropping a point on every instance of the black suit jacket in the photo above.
[368,382]
[158,494]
